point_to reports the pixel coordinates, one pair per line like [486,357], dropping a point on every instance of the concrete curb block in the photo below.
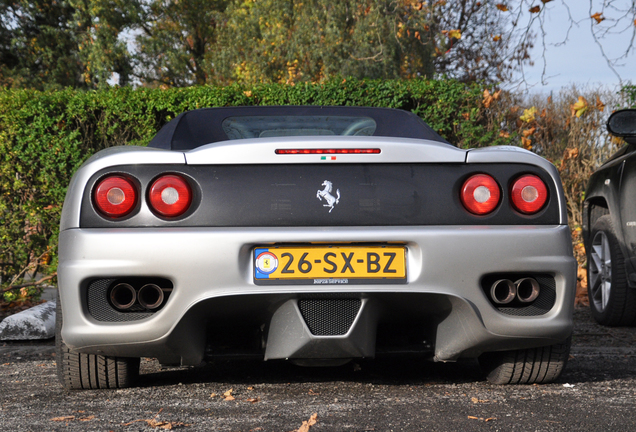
[37,322]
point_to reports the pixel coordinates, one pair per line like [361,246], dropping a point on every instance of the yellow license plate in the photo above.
[329,264]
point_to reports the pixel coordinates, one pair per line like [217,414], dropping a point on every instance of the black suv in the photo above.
[609,229]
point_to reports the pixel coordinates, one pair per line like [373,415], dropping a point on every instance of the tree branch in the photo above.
[29,284]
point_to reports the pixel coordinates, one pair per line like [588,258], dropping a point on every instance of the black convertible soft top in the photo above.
[193,129]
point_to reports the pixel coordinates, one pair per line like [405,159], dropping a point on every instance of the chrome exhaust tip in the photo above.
[150,296]
[123,296]
[503,291]
[528,289]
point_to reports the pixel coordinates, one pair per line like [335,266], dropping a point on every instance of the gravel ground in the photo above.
[597,392]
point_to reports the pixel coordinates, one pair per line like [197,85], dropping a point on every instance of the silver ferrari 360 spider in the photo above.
[315,235]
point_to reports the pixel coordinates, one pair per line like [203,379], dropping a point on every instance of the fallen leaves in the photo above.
[63,418]
[71,418]
[309,423]
[228,395]
[159,424]
[502,7]
[482,419]
[535,9]
[476,400]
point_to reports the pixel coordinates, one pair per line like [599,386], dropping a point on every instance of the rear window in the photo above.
[241,127]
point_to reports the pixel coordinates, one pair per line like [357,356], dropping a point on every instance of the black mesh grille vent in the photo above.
[329,317]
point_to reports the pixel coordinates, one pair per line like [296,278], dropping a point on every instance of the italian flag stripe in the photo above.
[327,158]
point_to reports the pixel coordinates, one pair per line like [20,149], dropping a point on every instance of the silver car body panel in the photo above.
[206,265]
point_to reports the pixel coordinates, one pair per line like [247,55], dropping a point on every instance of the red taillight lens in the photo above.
[115,196]
[529,194]
[170,196]
[480,194]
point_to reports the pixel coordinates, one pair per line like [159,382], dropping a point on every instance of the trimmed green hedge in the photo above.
[45,137]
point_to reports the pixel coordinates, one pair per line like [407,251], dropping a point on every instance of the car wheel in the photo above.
[526,366]
[77,371]
[612,301]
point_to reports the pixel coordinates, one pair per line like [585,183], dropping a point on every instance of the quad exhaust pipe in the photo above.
[503,291]
[525,290]
[123,296]
[150,296]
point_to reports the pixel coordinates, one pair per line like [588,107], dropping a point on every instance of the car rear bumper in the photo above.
[212,273]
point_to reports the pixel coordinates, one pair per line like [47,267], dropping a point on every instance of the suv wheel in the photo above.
[612,301]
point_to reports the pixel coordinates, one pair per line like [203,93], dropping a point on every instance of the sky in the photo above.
[579,60]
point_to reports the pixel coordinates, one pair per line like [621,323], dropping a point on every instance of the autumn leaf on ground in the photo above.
[496,38]
[580,107]
[535,9]
[248,93]
[482,419]
[63,418]
[417,6]
[476,400]
[228,395]
[457,34]
[502,7]
[309,423]
[159,424]
[528,114]
[504,134]
[599,105]
[598,17]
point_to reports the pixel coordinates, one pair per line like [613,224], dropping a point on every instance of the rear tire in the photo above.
[77,371]
[526,366]
[612,301]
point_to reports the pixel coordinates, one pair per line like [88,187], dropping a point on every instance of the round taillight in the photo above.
[115,196]
[170,196]
[529,194]
[480,194]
